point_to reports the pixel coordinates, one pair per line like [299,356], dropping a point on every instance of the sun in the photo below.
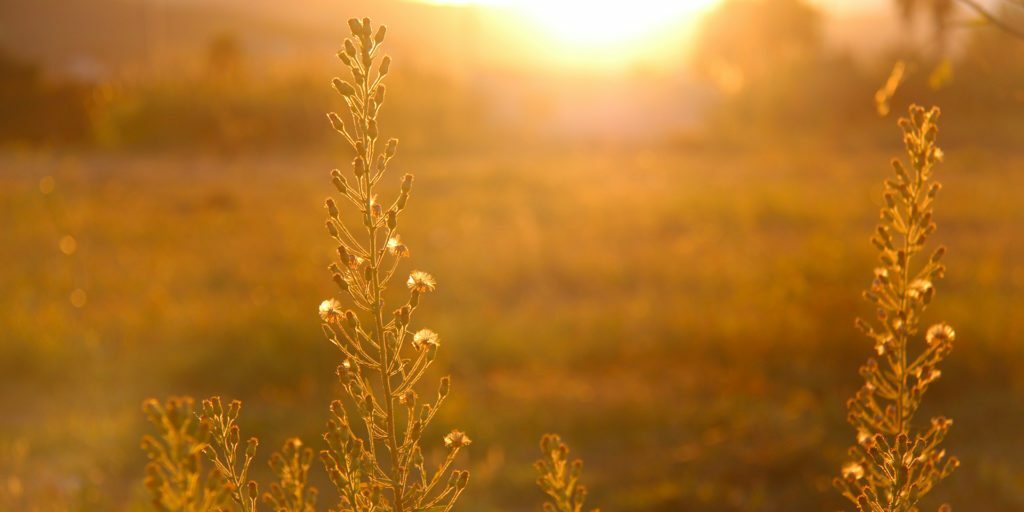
[608,23]
[608,28]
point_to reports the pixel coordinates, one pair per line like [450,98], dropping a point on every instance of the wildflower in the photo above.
[920,288]
[881,276]
[425,338]
[330,311]
[372,356]
[882,411]
[560,477]
[348,259]
[397,248]
[853,471]
[864,437]
[927,376]
[421,282]
[882,344]
[344,370]
[375,208]
[457,439]
[940,333]
[407,398]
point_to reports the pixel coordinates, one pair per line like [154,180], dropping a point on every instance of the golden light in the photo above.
[599,29]
[608,24]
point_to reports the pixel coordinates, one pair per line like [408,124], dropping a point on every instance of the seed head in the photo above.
[330,311]
[376,209]
[421,282]
[425,338]
[457,439]
[407,398]
[853,471]
[940,333]
[920,288]
[344,370]
[397,248]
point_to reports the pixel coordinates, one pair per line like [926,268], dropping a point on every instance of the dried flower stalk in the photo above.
[559,478]
[893,463]
[175,476]
[374,456]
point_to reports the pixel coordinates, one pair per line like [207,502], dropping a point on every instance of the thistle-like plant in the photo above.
[896,462]
[559,478]
[374,456]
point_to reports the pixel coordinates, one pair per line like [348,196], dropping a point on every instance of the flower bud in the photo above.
[234,408]
[336,122]
[339,181]
[355,26]
[340,281]
[446,382]
[343,87]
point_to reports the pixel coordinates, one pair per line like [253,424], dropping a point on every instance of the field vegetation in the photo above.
[678,307]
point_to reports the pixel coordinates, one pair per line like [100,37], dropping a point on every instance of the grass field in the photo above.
[682,317]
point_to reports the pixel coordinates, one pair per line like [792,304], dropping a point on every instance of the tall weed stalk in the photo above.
[896,461]
[374,454]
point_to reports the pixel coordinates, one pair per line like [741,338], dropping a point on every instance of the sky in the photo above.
[603,34]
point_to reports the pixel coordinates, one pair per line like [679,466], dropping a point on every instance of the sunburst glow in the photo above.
[611,29]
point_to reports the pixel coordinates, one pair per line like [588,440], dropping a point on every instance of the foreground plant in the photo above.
[374,458]
[559,478]
[895,463]
[373,454]
[176,476]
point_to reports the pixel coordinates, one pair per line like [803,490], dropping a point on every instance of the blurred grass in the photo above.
[684,318]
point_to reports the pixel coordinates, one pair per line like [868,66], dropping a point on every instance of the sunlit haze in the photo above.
[598,32]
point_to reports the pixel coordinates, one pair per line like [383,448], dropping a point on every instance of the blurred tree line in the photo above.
[36,109]
[769,61]
[223,106]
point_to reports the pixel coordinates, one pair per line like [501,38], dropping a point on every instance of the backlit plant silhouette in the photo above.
[382,466]
[559,478]
[373,454]
[894,462]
